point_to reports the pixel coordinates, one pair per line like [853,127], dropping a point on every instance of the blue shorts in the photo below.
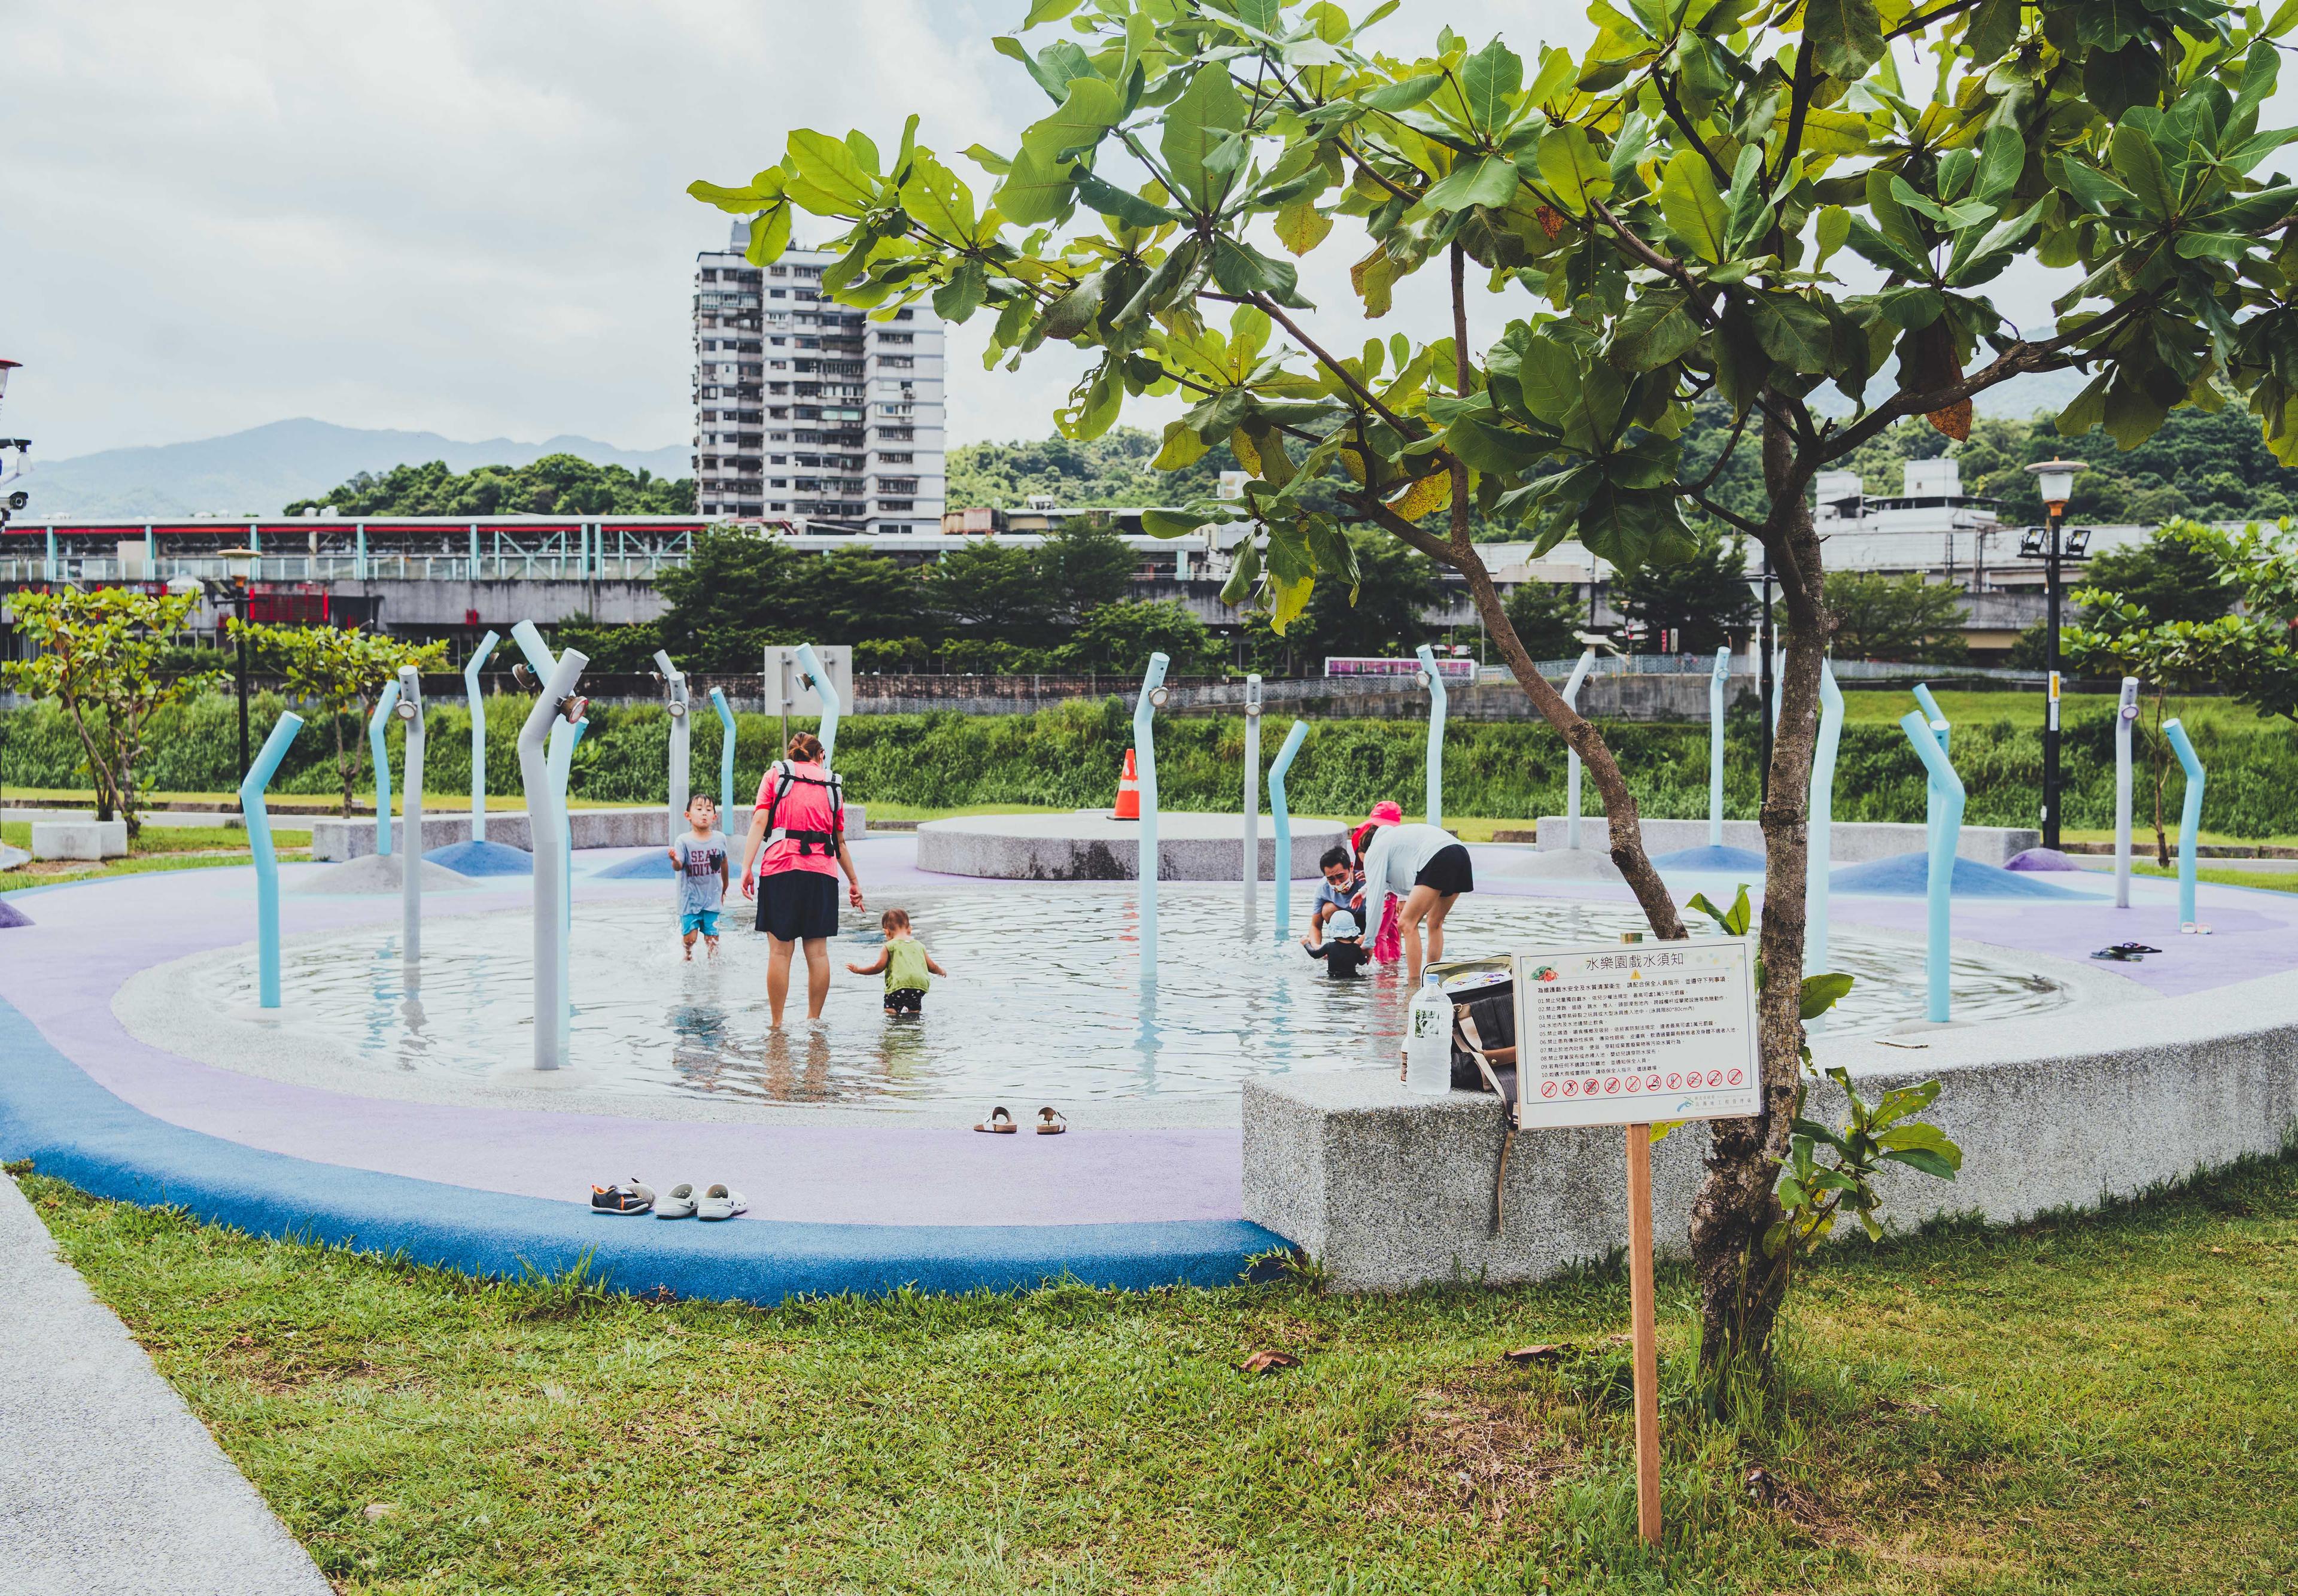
[705,921]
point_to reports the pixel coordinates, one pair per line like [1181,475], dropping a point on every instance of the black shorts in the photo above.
[905,1000]
[798,905]
[1448,872]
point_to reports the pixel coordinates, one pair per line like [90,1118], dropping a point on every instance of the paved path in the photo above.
[110,1486]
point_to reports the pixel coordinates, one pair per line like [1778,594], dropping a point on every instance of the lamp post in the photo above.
[2056,480]
[240,564]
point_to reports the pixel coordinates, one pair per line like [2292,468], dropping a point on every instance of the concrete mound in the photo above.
[2040,859]
[1908,876]
[482,858]
[378,872]
[11,917]
[1556,864]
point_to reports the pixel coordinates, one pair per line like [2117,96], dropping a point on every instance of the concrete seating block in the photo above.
[1850,842]
[79,839]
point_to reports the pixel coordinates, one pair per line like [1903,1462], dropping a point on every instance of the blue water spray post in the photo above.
[375,722]
[681,739]
[1943,731]
[258,820]
[1277,771]
[410,835]
[478,703]
[1434,679]
[1144,762]
[1820,833]
[826,690]
[1572,755]
[555,710]
[1716,680]
[1251,861]
[2126,720]
[725,759]
[1943,811]
[2190,824]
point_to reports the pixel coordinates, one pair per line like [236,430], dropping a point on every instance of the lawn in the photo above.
[2023,708]
[2098,1404]
[157,847]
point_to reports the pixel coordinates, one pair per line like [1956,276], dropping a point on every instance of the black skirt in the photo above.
[1448,872]
[798,905]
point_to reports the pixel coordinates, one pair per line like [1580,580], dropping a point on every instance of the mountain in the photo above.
[257,472]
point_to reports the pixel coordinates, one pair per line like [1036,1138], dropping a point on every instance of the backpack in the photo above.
[1484,1026]
[824,843]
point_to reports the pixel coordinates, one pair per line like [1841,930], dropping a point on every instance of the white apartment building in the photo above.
[806,411]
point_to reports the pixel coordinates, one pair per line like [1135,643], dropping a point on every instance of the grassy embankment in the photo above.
[2095,1404]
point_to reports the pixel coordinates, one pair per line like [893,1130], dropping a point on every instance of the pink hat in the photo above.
[1387,812]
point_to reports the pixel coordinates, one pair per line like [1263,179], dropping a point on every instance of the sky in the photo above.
[469,216]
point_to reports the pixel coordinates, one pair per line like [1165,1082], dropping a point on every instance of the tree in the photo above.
[733,596]
[2252,656]
[1120,638]
[337,669]
[1693,607]
[852,593]
[991,592]
[1657,217]
[1381,615]
[1076,473]
[1902,618]
[556,484]
[1085,565]
[2168,576]
[102,656]
[1547,618]
[614,649]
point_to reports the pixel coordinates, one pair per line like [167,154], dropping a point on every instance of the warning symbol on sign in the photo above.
[1548,1088]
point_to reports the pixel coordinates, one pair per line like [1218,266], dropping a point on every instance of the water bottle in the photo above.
[1429,1040]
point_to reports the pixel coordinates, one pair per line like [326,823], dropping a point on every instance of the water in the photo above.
[1044,1001]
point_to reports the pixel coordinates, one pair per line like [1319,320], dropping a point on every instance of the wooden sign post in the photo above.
[1634,1035]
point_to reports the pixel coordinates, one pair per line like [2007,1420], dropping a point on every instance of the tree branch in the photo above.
[1675,114]
[1730,518]
[1460,378]
[1916,24]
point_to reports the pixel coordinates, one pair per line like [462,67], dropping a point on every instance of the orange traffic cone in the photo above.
[1129,792]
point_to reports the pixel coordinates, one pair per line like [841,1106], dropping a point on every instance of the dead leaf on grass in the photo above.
[380,1510]
[1261,1362]
[1544,1352]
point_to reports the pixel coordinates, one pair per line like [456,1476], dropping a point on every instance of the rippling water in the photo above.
[1044,1000]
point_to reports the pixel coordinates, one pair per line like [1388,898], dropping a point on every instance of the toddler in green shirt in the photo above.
[907,964]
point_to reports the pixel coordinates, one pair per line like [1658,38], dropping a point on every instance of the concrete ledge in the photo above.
[1390,1191]
[337,840]
[1088,846]
[79,839]
[1850,842]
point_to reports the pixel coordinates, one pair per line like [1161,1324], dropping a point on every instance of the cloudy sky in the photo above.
[462,216]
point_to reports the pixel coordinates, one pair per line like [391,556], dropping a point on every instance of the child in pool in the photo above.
[1344,952]
[1342,893]
[909,968]
[699,855]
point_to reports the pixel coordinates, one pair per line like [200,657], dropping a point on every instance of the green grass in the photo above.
[2265,881]
[2023,708]
[158,848]
[2081,1405]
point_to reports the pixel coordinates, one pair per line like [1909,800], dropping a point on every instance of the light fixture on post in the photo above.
[240,564]
[2055,480]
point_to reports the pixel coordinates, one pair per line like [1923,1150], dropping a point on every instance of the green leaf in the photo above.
[1490,180]
[1033,191]
[1884,252]
[1403,96]
[1207,113]
[1821,993]
[1846,36]
[829,180]
[1481,446]
[1748,214]
[1794,331]
[1991,29]
[2095,191]
[1183,448]
[1240,268]
[1834,229]
[2140,164]
[938,201]
[770,236]
[1048,10]
[2110,24]
[1301,226]
[1127,210]
[1733,923]
[2002,157]
[1693,208]
[1653,330]
[1923,1158]
[1577,174]
[756,195]
[1091,109]
[1171,523]
[1489,80]
[960,297]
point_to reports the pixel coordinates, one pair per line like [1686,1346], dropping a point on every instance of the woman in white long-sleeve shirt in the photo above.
[1428,868]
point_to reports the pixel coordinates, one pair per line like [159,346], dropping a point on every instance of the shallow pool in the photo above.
[1044,1001]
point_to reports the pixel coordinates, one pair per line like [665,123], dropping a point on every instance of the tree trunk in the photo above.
[1741,1289]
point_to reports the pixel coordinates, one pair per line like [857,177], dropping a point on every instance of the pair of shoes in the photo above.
[1001,1123]
[718,1202]
[679,1202]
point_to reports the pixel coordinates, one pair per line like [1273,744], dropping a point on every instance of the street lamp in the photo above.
[240,564]
[2057,481]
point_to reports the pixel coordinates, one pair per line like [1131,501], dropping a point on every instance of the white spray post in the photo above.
[411,832]
[826,690]
[1716,680]
[1251,860]
[1434,679]
[384,703]
[1278,769]
[681,738]
[1144,763]
[2125,719]
[1822,827]
[555,706]
[1572,755]
[478,703]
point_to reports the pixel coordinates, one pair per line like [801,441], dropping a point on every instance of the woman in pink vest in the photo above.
[800,818]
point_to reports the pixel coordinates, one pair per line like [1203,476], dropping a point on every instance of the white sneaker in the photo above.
[676,1204]
[720,1203]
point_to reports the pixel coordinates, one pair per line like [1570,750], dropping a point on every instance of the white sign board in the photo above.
[1631,1033]
[787,692]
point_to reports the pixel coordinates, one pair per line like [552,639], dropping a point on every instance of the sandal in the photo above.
[622,1201]
[2121,954]
[1050,1122]
[998,1123]
[720,1203]
[2135,947]
[677,1202]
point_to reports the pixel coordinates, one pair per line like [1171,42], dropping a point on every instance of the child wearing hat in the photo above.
[1343,949]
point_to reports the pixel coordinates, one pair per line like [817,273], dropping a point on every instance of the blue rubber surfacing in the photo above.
[52,1113]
